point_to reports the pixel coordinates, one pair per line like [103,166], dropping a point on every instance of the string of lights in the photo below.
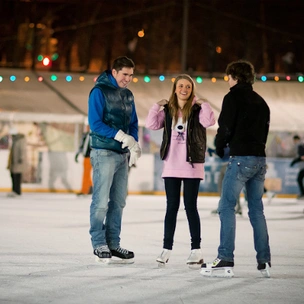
[145,78]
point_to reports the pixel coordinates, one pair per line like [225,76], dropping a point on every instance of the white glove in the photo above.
[135,153]
[127,141]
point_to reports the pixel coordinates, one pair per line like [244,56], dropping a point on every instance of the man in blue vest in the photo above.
[114,143]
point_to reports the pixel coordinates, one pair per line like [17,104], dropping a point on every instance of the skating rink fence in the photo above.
[58,171]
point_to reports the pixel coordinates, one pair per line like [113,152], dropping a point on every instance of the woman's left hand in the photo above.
[199,101]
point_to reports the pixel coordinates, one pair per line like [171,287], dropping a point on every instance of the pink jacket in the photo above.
[175,164]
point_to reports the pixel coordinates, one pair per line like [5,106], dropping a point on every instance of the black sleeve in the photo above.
[226,124]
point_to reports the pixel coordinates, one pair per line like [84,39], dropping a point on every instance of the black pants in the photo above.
[300,181]
[173,189]
[16,182]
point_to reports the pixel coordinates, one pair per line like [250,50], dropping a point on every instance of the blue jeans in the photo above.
[248,172]
[110,180]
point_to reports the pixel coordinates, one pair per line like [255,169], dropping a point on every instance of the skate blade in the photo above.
[114,260]
[195,265]
[225,272]
[265,273]
[161,264]
[104,261]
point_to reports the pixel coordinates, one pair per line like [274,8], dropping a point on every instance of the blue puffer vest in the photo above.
[117,113]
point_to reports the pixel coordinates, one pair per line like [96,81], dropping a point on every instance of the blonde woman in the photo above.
[184,120]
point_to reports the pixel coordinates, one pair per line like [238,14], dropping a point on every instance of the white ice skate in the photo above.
[218,268]
[195,259]
[264,269]
[163,258]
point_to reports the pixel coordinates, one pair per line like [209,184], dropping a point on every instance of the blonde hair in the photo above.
[173,102]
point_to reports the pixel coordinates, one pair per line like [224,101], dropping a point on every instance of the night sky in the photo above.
[191,36]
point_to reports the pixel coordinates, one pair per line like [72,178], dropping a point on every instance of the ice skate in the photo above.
[13,194]
[270,195]
[218,268]
[264,269]
[163,258]
[103,254]
[122,256]
[195,259]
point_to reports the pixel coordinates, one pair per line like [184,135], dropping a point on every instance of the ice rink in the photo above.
[46,255]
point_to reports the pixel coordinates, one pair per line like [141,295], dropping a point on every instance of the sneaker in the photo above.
[103,252]
[264,269]
[218,268]
[195,257]
[122,253]
[163,258]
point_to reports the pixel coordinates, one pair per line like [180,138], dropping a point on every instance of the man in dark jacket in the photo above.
[243,126]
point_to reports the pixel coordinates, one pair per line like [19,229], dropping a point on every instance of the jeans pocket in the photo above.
[245,172]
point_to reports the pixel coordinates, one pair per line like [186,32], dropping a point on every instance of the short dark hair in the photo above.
[242,71]
[296,137]
[122,62]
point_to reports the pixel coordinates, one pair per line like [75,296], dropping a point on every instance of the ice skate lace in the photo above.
[122,250]
[216,261]
[103,248]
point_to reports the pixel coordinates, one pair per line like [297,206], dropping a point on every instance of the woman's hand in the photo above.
[199,101]
[163,102]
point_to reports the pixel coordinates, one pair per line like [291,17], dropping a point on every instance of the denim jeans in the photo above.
[110,180]
[248,172]
[173,189]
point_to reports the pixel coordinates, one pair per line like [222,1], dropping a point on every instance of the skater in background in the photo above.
[184,120]
[300,161]
[114,143]
[85,150]
[238,207]
[17,161]
[243,125]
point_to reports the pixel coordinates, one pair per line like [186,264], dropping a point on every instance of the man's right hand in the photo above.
[127,141]
[135,153]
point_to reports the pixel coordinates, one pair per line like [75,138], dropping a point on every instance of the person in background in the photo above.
[184,119]
[17,161]
[225,159]
[300,161]
[85,150]
[114,143]
[243,126]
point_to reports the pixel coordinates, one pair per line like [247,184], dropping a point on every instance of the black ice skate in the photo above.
[122,256]
[264,269]
[103,254]
[218,268]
